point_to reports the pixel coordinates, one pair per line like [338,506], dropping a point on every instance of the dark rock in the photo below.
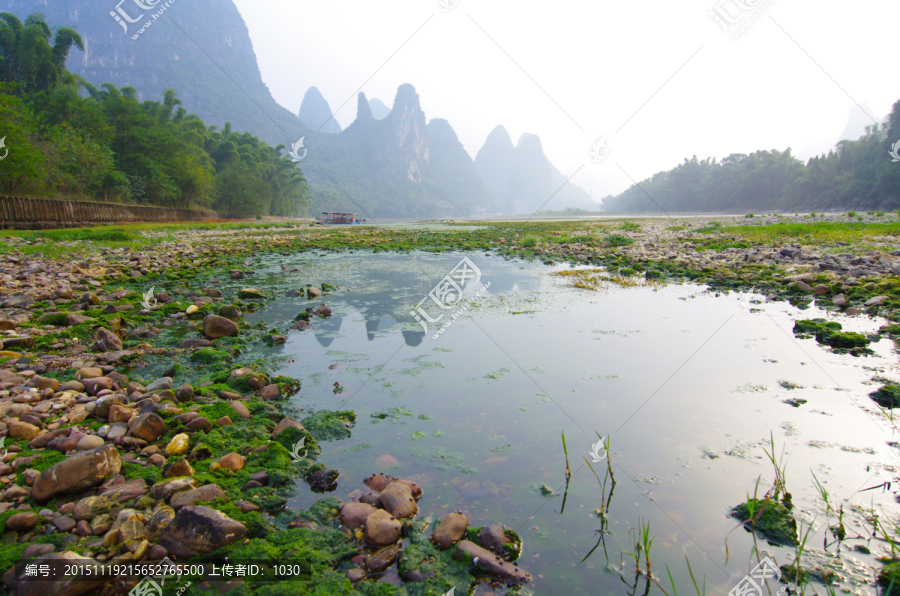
[203,494]
[107,341]
[397,499]
[492,563]
[125,491]
[270,392]
[383,558]
[160,384]
[493,538]
[184,393]
[382,529]
[215,326]
[77,473]
[353,515]
[166,489]
[200,530]
[451,530]
[23,522]
[149,427]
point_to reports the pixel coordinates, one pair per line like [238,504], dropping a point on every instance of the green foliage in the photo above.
[112,146]
[767,180]
[617,240]
[27,57]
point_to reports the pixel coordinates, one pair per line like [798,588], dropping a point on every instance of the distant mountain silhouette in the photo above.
[316,113]
[523,179]
[387,163]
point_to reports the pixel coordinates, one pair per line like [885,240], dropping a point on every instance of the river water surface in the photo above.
[689,386]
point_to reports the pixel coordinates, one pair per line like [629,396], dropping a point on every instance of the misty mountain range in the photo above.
[389,162]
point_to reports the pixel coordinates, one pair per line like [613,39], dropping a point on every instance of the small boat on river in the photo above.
[338,219]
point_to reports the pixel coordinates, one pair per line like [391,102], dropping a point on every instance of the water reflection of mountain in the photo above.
[386,303]
[387,309]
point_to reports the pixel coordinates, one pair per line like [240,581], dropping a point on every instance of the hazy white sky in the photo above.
[574,71]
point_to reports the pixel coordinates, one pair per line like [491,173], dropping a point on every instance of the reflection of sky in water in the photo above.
[688,385]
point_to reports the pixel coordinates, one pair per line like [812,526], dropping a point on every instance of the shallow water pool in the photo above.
[690,387]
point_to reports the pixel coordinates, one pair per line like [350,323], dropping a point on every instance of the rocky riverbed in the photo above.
[143,426]
[123,446]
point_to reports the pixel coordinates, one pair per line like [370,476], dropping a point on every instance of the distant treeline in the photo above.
[110,145]
[856,174]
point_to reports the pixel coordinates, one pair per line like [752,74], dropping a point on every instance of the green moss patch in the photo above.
[829,333]
[211,356]
[888,396]
[770,519]
[326,425]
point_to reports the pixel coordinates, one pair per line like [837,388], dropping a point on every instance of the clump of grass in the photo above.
[749,215]
[614,240]
[529,242]
[629,226]
[851,214]
[713,226]
[642,541]
[767,516]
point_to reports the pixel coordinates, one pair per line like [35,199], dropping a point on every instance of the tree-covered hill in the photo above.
[66,137]
[201,48]
[857,174]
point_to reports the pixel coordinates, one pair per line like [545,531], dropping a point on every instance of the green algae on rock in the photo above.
[770,519]
[887,396]
[829,333]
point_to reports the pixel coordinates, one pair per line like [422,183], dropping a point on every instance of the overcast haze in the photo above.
[600,62]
